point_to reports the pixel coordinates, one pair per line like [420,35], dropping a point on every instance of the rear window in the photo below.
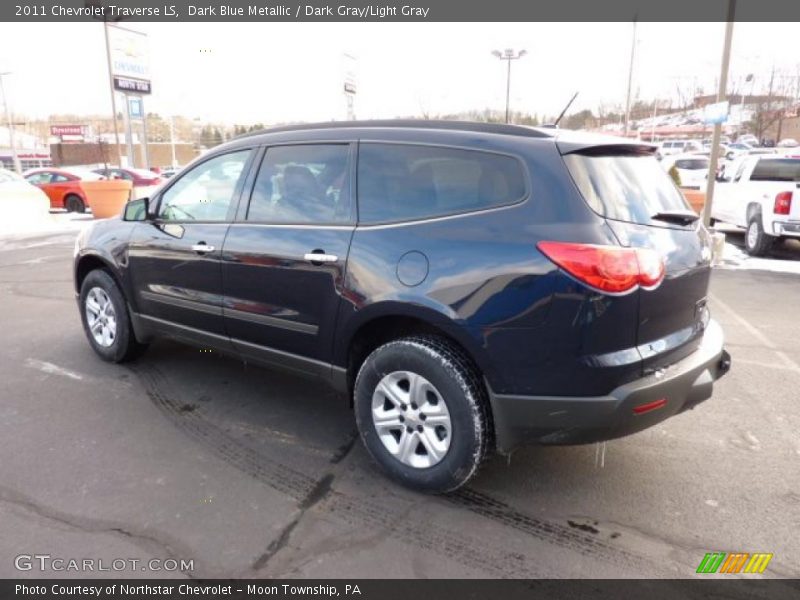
[400,182]
[781,169]
[629,188]
[692,164]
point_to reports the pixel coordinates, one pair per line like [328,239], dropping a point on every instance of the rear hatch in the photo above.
[624,183]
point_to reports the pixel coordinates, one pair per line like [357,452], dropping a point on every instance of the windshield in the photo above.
[692,164]
[629,188]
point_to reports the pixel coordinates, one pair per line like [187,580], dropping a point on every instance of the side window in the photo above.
[406,182]
[205,192]
[302,184]
[40,178]
[58,178]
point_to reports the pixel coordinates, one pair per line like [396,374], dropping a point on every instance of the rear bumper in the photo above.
[570,420]
[786,228]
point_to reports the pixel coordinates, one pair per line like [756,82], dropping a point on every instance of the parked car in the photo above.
[788,143]
[669,147]
[481,286]
[139,177]
[21,199]
[749,139]
[692,169]
[63,186]
[737,149]
[168,172]
[761,196]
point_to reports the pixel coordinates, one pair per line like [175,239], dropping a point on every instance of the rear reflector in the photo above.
[610,269]
[649,406]
[783,203]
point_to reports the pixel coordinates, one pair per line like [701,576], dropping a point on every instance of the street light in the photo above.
[751,80]
[508,55]
[11,140]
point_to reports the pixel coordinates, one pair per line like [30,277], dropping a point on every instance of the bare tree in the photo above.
[770,109]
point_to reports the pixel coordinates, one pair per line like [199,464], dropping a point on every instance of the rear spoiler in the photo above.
[601,145]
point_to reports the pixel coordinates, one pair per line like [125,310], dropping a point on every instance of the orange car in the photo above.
[63,186]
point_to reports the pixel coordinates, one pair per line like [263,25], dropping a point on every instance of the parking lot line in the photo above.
[52,369]
[753,330]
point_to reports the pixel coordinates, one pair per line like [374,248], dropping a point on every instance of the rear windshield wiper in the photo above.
[680,217]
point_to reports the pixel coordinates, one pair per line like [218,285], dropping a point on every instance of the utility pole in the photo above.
[721,92]
[11,140]
[508,55]
[172,140]
[630,80]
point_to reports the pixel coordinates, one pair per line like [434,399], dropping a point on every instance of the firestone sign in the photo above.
[61,130]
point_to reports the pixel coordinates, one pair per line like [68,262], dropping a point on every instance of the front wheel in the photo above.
[105,318]
[422,413]
[756,241]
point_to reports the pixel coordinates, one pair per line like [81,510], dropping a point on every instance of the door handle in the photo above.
[320,257]
[202,248]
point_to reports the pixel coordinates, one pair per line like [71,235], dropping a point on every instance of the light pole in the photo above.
[11,140]
[630,80]
[508,55]
[721,95]
[749,79]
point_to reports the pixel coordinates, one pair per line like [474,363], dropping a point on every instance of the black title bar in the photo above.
[262,589]
[407,10]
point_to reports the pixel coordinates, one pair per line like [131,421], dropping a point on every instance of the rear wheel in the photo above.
[422,413]
[105,318]
[74,203]
[756,241]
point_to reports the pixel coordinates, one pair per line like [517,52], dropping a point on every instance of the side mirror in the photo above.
[137,210]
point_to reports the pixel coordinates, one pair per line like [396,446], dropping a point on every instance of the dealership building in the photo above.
[31,151]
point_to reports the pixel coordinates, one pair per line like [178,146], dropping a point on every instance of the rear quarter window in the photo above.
[400,182]
[782,169]
[625,187]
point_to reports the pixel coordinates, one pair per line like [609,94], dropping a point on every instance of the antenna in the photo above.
[566,108]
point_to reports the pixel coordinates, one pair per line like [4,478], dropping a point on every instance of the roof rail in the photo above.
[476,126]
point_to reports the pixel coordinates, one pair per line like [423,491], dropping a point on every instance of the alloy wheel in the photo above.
[411,419]
[101,317]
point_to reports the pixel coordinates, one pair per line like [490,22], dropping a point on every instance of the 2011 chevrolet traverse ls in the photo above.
[469,286]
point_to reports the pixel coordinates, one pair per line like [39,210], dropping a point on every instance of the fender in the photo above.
[351,321]
[112,253]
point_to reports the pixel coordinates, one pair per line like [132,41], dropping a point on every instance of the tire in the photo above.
[74,204]
[98,289]
[435,456]
[756,241]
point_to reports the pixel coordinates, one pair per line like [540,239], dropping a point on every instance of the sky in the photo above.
[281,72]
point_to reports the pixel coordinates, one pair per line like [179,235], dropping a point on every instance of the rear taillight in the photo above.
[610,269]
[783,203]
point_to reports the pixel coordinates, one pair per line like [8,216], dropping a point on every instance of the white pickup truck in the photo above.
[762,195]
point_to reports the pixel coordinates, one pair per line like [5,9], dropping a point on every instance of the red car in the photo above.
[139,177]
[63,186]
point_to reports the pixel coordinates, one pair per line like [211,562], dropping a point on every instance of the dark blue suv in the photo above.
[469,287]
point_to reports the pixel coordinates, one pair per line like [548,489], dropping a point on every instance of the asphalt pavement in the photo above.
[189,455]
